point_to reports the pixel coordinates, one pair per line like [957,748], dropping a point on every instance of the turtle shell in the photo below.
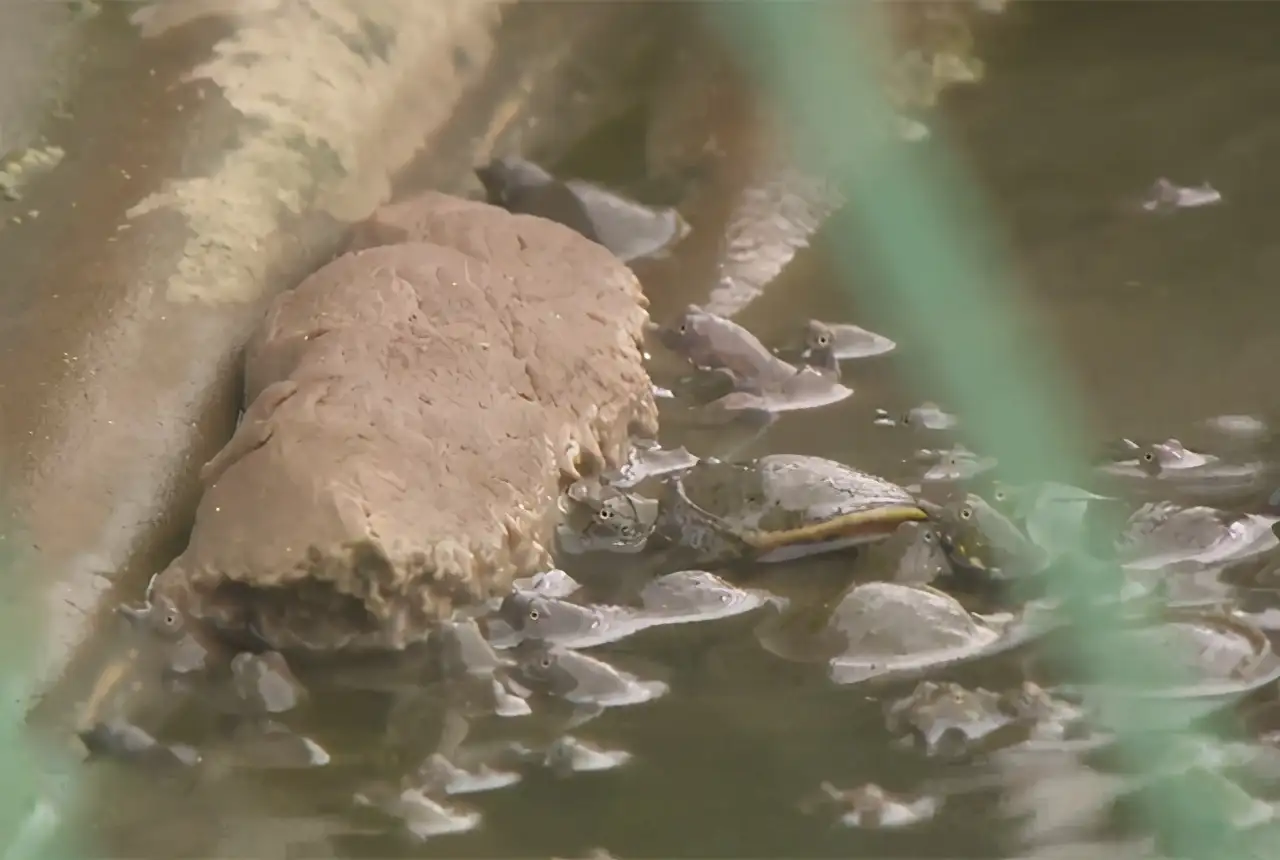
[784,506]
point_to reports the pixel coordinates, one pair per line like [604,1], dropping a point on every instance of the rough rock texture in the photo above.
[415,407]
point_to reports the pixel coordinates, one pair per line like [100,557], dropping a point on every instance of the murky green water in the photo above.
[1166,321]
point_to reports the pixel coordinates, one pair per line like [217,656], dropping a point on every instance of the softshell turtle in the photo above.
[1165,196]
[422,817]
[1159,534]
[913,554]
[552,670]
[845,341]
[780,506]
[675,598]
[184,646]
[1160,468]
[955,465]
[629,229]
[978,537]
[1205,659]
[878,629]
[821,359]
[945,718]
[1060,517]
[712,342]
[124,741]
[868,806]
[651,461]
[806,388]
[602,517]
[929,416]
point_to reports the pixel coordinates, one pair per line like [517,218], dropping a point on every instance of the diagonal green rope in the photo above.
[940,276]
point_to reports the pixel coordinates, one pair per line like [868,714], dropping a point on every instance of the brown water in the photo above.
[1164,320]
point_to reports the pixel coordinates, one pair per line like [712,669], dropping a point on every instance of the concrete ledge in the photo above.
[251,135]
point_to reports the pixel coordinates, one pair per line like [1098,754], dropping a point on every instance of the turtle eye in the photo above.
[684,328]
[1000,495]
[604,514]
[966,512]
[534,615]
[927,537]
[1149,456]
[823,340]
[545,661]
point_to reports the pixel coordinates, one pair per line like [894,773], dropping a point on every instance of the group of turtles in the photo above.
[954,568]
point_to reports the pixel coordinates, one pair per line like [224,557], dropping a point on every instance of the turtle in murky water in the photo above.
[120,740]
[929,416]
[264,683]
[980,538]
[578,678]
[955,465]
[1202,659]
[845,341]
[1060,517]
[868,806]
[712,342]
[780,506]
[181,644]
[675,598]
[562,622]
[629,229]
[1160,534]
[806,388]
[947,719]
[650,461]
[914,554]
[602,517]
[1162,468]
[882,629]
[820,355]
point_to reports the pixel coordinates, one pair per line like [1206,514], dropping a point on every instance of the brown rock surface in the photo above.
[414,409]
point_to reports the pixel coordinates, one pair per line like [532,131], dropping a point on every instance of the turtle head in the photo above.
[503,177]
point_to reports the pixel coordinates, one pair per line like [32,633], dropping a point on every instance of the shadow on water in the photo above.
[1166,320]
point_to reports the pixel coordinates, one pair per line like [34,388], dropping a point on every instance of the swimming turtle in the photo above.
[601,517]
[675,598]
[629,229]
[1056,515]
[845,341]
[869,806]
[946,719]
[806,388]
[929,416]
[980,538]
[888,629]
[1203,659]
[1156,469]
[713,342]
[780,506]
[1160,534]
[821,358]
[650,460]
[914,554]
[954,465]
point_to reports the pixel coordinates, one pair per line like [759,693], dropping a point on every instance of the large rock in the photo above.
[415,407]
